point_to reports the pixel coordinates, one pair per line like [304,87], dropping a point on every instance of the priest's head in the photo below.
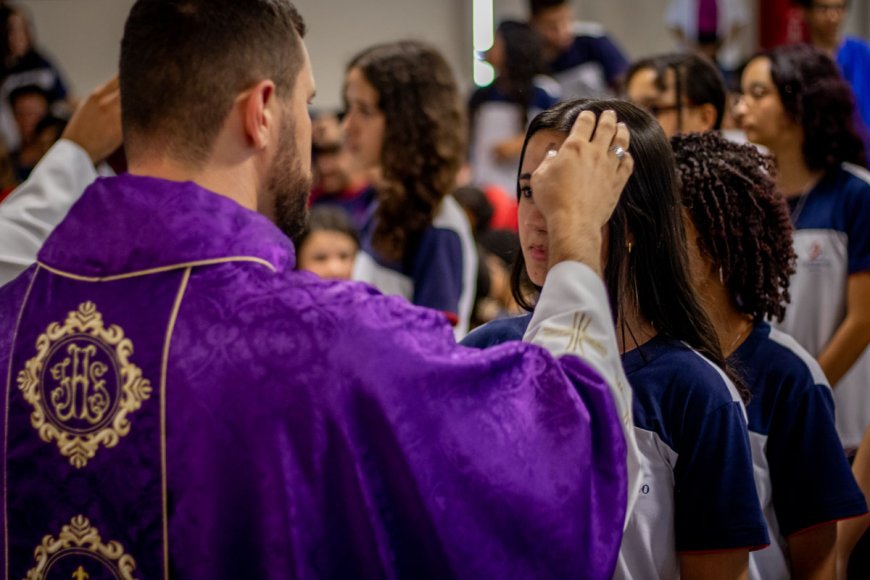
[217,92]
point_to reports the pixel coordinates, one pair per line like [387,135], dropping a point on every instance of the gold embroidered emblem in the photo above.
[82,385]
[578,335]
[78,541]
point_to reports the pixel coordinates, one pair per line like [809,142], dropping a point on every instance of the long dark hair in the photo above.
[424,139]
[654,273]
[816,97]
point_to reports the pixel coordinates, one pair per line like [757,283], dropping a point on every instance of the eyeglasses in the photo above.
[657,110]
[829,7]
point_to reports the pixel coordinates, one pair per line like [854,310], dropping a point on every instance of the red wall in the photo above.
[779,23]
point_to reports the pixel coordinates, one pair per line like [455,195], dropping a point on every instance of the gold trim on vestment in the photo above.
[163,372]
[76,400]
[159,270]
[78,538]
[6,424]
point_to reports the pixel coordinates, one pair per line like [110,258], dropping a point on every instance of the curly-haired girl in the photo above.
[405,121]
[796,104]
[740,250]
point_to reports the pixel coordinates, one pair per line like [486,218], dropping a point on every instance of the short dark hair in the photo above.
[330,218]
[816,96]
[742,219]
[183,62]
[27,90]
[695,77]
[538,6]
[655,272]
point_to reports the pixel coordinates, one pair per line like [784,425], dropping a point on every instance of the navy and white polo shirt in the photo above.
[697,491]
[590,66]
[494,119]
[440,273]
[801,472]
[832,242]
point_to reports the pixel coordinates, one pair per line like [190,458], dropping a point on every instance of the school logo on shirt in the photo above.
[78,552]
[82,385]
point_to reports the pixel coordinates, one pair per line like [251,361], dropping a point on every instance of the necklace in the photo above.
[799,207]
[802,200]
[745,328]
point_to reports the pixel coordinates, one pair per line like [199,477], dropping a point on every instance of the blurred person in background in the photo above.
[405,122]
[796,104]
[328,245]
[684,92]
[824,21]
[336,183]
[712,28]
[580,56]
[500,112]
[24,65]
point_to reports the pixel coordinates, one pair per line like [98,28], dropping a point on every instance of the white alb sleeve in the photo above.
[32,211]
[573,317]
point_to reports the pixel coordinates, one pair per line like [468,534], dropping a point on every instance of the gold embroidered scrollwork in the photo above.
[78,539]
[82,385]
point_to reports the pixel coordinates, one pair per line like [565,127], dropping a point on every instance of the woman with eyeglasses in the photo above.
[795,103]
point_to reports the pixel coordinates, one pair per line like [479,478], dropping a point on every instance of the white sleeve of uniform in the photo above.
[32,211]
[573,317]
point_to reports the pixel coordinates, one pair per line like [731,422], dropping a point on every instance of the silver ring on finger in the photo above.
[618,151]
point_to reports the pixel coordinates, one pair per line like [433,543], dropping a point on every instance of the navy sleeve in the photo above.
[716,503]
[858,227]
[612,59]
[810,475]
[497,332]
[437,271]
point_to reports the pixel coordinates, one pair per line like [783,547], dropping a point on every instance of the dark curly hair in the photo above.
[695,77]
[654,274]
[424,139]
[742,219]
[816,97]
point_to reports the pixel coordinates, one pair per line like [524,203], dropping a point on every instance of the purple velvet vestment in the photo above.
[180,401]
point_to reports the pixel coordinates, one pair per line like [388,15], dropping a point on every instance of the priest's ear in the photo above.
[260,113]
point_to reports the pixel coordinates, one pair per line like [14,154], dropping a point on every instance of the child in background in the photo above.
[329,245]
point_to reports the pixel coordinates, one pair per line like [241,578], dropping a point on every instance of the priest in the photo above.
[179,401]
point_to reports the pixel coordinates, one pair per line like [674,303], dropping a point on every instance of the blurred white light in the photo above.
[484,35]
[482,20]
[484,74]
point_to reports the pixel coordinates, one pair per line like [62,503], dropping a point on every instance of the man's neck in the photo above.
[827,44]
[229,183]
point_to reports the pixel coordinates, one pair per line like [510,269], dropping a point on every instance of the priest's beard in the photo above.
[288,184]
